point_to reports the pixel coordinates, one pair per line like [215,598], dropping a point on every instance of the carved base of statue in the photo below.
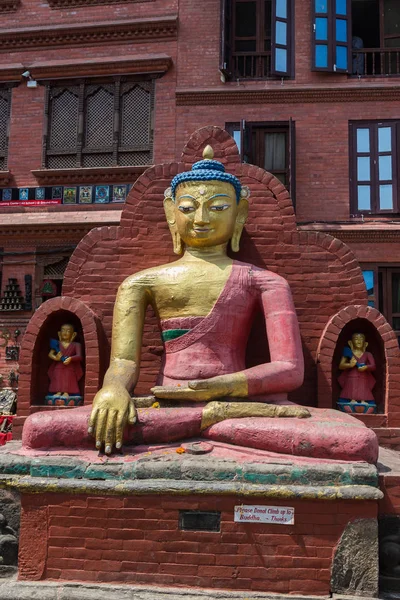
[63,400]
[357,407]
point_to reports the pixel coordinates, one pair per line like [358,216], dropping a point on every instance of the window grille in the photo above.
[5,102]
[102,124]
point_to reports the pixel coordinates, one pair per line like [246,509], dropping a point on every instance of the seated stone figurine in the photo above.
[205,303]
[66,370]
[356,379]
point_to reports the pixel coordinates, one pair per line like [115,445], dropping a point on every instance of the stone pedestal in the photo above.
[159,516]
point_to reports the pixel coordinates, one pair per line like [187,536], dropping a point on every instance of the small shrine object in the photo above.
[12,297]
[66,370]
[356,379]
[12,353]
[49,289]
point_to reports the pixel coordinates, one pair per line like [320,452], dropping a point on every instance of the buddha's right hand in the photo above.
[112,410]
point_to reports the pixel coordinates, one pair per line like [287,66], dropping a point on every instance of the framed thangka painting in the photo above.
[102,193]
[85,194]
[69,195]
[119,193]
[56,193]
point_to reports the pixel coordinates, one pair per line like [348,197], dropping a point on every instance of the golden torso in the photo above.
[187,287]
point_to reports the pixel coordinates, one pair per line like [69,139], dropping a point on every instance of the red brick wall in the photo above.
[137,540]
[321,128]
[390,486]
[322,147]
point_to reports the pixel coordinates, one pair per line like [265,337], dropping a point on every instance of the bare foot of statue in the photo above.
[215,412]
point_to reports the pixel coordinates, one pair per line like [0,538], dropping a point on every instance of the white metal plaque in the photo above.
[279,515]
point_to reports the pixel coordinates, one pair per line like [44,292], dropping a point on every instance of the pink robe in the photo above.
[64,378]
[358,385]
[216,345]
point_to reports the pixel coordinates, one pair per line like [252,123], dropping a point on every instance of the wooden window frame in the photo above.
[331,15]
[5,92]
[290,36]
[383,289]
[373,267]
[80,149]
[382,36]
[373,127]
[250,130]
[227,44]
[387,284]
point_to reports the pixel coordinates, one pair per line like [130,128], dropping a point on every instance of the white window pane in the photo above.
[385,168]
[281,33]
[386,197]
[362,140]
[341,7]
[369,281]
[236,137]
[275,151]
[384,139]
[281,9]
[363,168]
[364,197]
[281,60]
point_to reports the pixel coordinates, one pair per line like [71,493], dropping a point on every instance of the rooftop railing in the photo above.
[375,62]
[251,65]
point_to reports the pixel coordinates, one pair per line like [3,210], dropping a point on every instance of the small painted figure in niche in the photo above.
[66,370]
[357,381]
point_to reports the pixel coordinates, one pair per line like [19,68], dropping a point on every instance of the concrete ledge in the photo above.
[42,485]
[161,470]
[16,590]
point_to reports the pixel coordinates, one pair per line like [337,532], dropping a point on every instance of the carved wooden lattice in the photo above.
[5,101]
[101,124]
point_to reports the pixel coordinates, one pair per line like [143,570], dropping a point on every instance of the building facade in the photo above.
[92,92]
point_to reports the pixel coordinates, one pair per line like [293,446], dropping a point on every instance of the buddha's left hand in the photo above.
[201,390]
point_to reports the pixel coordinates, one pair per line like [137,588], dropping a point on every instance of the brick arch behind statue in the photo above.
[322,271]
[36,345]
[390,362]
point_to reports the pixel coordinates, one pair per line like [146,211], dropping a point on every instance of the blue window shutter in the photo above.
[341,35]
[282,37]
[331,49]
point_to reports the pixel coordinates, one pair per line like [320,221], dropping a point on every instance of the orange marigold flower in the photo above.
[155,405]
[180,450]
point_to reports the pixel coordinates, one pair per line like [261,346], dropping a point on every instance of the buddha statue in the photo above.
[205,303]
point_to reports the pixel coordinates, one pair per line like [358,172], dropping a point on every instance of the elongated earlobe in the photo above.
[169,208]
[241,218]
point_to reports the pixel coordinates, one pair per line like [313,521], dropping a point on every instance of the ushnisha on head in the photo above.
[206,206]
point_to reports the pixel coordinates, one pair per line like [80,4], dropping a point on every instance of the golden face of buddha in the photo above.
[205,214]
